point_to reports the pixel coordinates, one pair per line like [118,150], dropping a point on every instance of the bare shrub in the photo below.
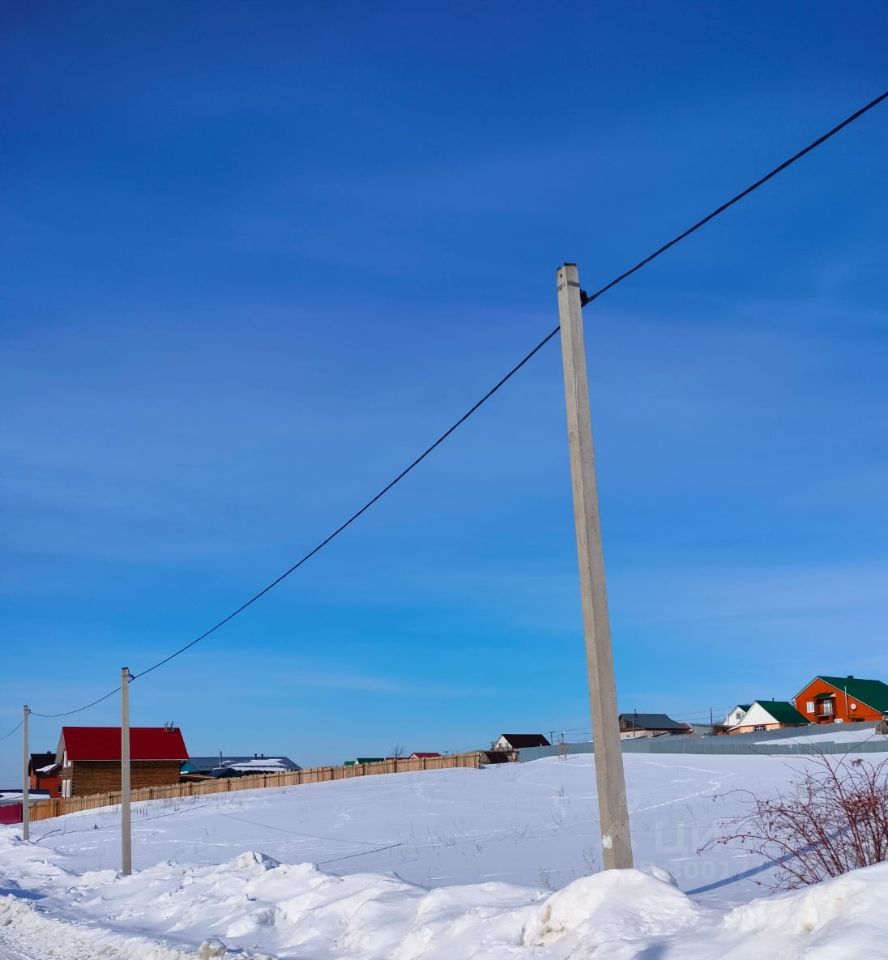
[833,820]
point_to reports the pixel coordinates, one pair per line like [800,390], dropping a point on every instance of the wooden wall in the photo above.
[100,776]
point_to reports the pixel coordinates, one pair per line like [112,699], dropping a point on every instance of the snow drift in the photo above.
[253,907]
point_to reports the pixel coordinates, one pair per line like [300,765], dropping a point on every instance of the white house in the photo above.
[518,741]
[734,716]
[769,715]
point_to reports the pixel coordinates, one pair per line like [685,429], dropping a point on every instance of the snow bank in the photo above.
[835,920]
[26,932]
[613,906]
[254,907]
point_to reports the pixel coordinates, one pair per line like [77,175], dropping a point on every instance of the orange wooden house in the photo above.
[842,700]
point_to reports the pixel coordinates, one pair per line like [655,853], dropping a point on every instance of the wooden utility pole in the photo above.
[126,826]
[26,776]
[613,811]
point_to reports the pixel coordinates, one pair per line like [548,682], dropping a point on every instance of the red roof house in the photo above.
[90,758]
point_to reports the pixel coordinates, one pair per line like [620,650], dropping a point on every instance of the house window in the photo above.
[809,706]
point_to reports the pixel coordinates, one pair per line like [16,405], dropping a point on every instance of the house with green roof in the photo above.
[828,699]
[769,715]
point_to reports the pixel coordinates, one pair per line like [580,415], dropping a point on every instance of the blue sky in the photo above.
[254,257]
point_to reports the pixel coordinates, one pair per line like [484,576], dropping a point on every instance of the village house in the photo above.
[45,774]
[842,700]
[90,758]
[429,755]
[508,742]
[769,715]
[633,725]
[733,717]
[220,765]
[505,748]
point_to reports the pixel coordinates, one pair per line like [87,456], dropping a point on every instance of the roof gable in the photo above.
[735,715]
[103,743]
[873,693]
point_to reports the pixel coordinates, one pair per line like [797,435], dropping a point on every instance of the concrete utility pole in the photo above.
[613,811]
[26,776]
[126,827]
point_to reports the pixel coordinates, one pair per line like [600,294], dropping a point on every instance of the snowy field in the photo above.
[490,863]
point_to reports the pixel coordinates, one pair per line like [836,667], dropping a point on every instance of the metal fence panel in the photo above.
[764,743]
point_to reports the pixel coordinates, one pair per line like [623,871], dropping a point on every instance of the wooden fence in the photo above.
[45,809]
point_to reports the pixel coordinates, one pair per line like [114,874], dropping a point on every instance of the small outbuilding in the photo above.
[89,758]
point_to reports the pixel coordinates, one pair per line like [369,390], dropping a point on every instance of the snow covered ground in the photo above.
[490,863]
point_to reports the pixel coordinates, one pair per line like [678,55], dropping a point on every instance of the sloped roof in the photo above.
[103,743]
[651,721]
[518,740]
[272,762]
[419,755]
[873,693]
[259,765]
[39,761]
[783,712]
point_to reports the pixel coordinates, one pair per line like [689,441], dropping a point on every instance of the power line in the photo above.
[18,726]
[501,382]
[587,298]
[68,713]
